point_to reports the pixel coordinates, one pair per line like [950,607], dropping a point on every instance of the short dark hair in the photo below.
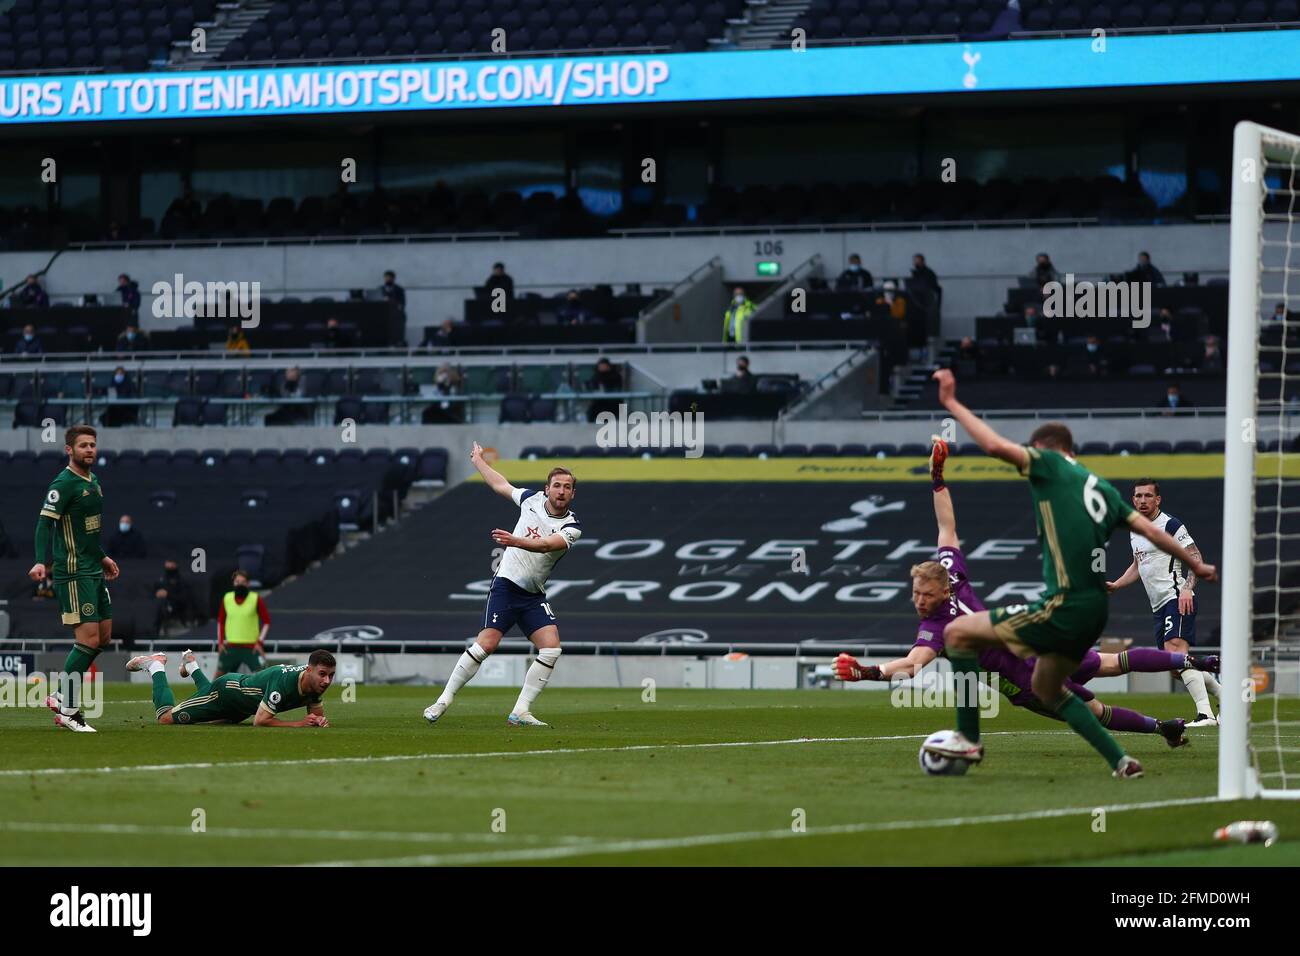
[390,272]
[1055,436]
[240,573]
[498,265]
[76,431]
[321,656]
[560,471]
[1147,481]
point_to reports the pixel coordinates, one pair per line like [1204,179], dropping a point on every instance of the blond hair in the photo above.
[931,571]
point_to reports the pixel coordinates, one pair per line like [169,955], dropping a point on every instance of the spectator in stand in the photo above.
[236,340]
[120,386]
[1053,371]
[446,381]
[337,337]
[174,600]
[739,309]
[743,380]
[606,378]
[29,343]
[1279,313]
[393,292]
[854,278]
[923,274]
[115,232]
[290,386]
[1097,362]
[1031,315]
[131,339]
[31,296]
[968,349]
[572,311]
[1174,399]
[129,290]
[1144,271]
[126,541]
[443,337]
[1163,330]
[1044,271]
[889,296]
[1211,361]
[499,279]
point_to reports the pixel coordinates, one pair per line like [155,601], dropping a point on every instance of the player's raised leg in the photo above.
[163,698]
[190,668]
[547,641]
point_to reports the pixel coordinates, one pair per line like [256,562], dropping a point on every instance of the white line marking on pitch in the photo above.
[717,839]
[392,836]
[394,758]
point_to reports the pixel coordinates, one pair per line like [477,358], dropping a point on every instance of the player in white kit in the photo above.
[544,533]
[1171,589]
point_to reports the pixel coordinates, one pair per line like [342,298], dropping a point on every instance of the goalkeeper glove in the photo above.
[847,668]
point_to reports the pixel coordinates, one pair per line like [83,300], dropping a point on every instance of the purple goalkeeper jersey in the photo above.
[1014,674]
[963,600]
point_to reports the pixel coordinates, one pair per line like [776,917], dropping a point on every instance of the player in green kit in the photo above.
[70,518]
[233,698]
[1075,512]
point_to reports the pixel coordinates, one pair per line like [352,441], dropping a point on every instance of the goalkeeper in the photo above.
[941,591]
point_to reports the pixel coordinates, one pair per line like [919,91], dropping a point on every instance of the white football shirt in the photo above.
[1162,574]
[530,569]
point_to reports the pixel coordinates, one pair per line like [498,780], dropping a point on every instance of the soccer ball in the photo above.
[937,766]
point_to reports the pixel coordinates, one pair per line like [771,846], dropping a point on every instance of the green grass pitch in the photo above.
[697,777]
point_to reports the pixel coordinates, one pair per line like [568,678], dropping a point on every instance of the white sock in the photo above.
[465,668]
[1212,683]
[535,680]
[1195,682]
[155,667]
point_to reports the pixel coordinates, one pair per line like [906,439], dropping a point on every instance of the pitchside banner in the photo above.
[1087,62]
[714,561]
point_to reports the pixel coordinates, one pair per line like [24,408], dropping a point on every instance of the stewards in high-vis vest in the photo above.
[739,309]
[242,624]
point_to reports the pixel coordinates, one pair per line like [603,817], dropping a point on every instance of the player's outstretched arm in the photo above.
[847,667]
[1166,543]
[1125,579]
[265,718]
[495,480]
[984,436]
[946,518]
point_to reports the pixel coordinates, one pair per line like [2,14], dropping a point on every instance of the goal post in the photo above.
[1261,502]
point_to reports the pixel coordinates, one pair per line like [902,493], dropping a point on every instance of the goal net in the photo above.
[1259,742]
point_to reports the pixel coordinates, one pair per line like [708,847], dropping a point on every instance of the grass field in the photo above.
[698,777]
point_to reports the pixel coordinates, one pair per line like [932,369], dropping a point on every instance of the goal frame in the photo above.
[1251,146]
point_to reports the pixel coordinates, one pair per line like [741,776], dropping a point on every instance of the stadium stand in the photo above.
[290,504]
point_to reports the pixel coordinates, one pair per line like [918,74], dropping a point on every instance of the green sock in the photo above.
[966,665]
[200,682]
[78,661]
[1082,721]
[163,698]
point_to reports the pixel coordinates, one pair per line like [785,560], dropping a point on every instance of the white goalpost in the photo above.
[1259,734]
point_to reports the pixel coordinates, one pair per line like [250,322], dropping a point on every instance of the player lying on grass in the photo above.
[941,592]
[1075,512]
[233,698]
[544,533]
